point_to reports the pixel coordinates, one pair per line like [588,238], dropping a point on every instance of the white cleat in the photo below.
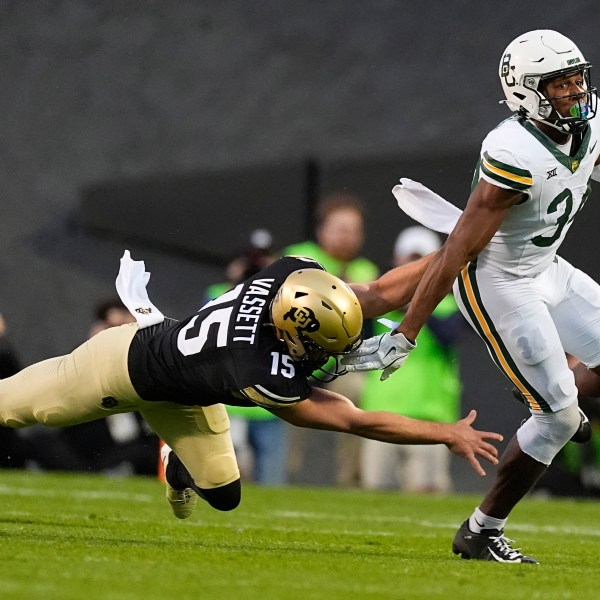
[182,502]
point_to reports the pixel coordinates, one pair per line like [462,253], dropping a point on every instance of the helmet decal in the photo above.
[505,71]
[304,319]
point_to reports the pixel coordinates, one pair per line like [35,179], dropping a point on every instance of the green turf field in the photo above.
[72,537]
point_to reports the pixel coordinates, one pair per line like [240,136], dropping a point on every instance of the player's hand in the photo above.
[386,351]
[469,443]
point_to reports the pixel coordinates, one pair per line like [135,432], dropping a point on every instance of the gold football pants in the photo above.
[93,382]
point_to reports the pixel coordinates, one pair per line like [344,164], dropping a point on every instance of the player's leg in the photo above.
[239,431]
[268,438]
[202,457]
[377,464]
[513,319]
[427,469]
[578,322]
[89,383]
[347,451]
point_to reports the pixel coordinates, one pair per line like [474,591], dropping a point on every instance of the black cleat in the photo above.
[490,545]
[584,432]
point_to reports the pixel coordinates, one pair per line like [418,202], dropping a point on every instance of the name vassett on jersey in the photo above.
[251,308]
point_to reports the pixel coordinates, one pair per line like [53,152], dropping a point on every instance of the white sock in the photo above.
[479,521]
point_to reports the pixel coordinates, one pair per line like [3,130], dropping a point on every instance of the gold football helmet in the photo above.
[316,315]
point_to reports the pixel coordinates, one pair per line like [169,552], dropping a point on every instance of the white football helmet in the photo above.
[535,57]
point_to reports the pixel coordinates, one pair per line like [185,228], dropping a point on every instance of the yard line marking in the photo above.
[6,490]
[527,527]
[80,494]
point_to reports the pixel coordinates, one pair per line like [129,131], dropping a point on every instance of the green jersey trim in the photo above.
[513,177]
[570,162]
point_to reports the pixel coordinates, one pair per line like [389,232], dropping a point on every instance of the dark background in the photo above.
[174,128]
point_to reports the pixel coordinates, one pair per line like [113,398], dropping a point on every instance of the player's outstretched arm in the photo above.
[485,211]
[328,410]
[392,290]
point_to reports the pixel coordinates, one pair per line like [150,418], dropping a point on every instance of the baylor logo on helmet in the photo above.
[505,71]
[304,318]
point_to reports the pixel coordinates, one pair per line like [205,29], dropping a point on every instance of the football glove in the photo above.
[386,351]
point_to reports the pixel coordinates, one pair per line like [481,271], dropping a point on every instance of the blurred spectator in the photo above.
[110,313]
[426,387]
[250,260]
[339,239]
[259,438]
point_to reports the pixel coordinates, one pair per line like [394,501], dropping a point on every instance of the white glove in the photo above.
[387,352]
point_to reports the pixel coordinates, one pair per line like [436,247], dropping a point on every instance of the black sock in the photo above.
[177,475]
[226,497]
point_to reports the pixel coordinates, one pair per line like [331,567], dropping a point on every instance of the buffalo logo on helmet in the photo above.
[304,319]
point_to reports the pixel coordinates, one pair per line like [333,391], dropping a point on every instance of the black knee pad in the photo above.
[222,498]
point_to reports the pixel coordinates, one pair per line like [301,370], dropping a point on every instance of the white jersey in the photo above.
[518,156]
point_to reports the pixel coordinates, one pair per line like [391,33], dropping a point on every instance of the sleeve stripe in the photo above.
[518,179]
[261,396]
[266,392]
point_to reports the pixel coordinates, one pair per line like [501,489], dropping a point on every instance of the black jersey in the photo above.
[228,352]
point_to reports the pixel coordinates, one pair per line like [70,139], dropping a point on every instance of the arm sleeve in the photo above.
[502,167]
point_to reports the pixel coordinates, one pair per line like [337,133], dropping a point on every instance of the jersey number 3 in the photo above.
[565,196]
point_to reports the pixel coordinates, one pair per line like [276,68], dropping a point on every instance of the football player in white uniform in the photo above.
[529,305]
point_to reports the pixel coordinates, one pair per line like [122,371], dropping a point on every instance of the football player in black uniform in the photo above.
[256,345]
